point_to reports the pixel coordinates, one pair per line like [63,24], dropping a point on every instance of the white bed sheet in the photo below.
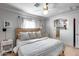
[47,47]
[20,43]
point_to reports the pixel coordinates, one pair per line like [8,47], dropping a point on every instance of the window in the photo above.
[28,24]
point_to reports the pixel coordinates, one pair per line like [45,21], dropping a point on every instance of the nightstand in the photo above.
[6,46]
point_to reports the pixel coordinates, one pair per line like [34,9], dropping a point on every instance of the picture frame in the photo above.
[60,23]
[7,24]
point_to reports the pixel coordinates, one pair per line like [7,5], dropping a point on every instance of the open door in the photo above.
[74,28]
[76,33]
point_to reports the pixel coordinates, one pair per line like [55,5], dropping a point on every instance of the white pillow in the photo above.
[32,35]
[24,36]
[38,34]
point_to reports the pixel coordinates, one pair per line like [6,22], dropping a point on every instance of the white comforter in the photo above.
[39,47]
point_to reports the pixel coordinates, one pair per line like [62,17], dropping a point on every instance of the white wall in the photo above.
[13,18]
[65,35]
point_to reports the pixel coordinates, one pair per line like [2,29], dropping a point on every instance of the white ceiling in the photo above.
[53,8]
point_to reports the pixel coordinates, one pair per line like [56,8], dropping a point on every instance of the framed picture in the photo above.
[7,24]
[60,23]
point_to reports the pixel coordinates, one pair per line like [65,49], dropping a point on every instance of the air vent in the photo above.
[36,4]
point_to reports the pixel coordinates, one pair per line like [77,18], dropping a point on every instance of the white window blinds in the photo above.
[28,24]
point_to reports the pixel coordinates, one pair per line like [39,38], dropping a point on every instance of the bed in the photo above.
[43,46]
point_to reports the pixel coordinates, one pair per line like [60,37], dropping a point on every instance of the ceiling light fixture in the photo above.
[45,8]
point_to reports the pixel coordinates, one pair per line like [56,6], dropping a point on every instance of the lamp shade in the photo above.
[45,9]
[4,29]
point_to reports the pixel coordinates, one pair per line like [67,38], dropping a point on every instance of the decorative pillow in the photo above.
[38,34]
[45,34]
[34,34]
[24,36]
[31,35]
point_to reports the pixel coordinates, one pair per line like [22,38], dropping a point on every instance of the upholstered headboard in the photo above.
[18,30]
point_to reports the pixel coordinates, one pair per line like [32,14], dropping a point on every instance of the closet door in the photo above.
[76,33]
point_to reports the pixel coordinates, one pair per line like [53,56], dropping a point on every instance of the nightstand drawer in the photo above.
[6,42]
[7,47]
